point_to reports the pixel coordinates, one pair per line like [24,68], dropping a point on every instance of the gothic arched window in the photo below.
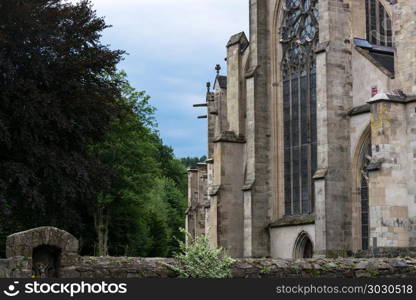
[299,37]
[365,153]
[379,26]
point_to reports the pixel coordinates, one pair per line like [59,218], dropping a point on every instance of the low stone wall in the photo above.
[119,267]
[123,267]
[326,268]
[390,252]
[4,268]
[132,267]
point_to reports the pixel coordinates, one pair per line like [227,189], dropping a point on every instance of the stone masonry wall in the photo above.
[250,268]
[130,267]
[4,268]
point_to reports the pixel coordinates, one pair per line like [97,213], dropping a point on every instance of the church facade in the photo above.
[312,133]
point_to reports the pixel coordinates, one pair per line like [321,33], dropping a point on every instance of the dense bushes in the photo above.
[198,260]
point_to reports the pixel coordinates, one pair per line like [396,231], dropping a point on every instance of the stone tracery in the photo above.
[299,35]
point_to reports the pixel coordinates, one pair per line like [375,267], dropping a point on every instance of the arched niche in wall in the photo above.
[47,249]
[303,246]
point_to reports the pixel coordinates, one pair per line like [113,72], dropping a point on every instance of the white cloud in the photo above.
[174,22]
[173,27]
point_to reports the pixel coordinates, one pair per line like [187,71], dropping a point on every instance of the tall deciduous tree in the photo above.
[129,151]
[143,211]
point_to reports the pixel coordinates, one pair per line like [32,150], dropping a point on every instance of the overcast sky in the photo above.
[173,47]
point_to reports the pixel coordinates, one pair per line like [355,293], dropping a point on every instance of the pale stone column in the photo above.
[217,122]
[202,199]
[210,224]
[192,202]
[258,135]
[404,22]
[220,103]
[212,111]
[235,96]
[334,98]
[227,199]
[213,218]
[359,18]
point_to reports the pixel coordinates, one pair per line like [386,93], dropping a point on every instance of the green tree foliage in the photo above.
[171,167]
[54,102]
[147,196]
[129,152]
[191,162]
[169,201]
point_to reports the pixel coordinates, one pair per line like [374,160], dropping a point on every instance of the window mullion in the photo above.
[300,141]
[291,142]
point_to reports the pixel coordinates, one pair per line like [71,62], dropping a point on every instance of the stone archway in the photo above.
[45,250]
[303,246]
[46,261]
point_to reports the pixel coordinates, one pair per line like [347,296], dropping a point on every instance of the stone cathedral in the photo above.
[312,133]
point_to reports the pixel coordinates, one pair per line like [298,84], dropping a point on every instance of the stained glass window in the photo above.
[299,37]
[379,26]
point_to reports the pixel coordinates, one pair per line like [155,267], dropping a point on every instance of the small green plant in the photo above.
[265,270]
[198,260]
[373,273]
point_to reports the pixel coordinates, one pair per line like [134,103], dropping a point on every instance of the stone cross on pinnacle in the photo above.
[218,69]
